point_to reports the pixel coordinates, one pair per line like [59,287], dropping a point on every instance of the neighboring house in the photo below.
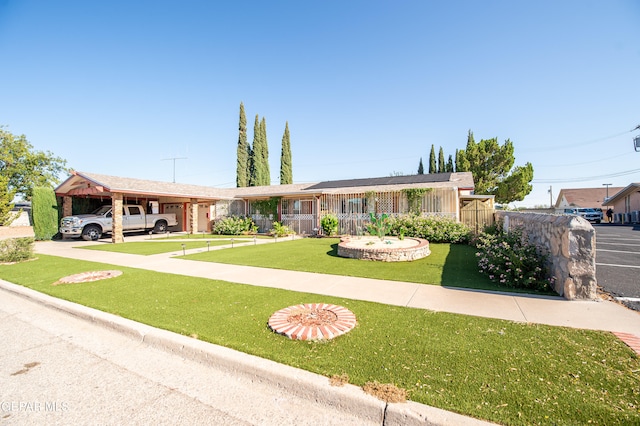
[299,206]
[585,198]
[626,204]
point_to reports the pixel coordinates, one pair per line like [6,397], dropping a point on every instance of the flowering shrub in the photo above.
[436,229]
[509,259]
[234,225]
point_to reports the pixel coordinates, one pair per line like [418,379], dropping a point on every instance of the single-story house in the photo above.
[585,198]
[299,206]
[626,204]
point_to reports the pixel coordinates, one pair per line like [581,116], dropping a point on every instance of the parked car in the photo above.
[589,214]
[91,226]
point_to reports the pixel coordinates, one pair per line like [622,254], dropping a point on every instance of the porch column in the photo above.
[116,210]
[67,206]
[194,216]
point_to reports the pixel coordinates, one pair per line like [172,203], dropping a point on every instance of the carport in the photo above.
[188,202]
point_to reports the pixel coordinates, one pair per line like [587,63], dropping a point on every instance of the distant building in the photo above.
[585,198]
[626,204]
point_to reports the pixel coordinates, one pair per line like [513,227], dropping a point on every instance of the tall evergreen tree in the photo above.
[286,167]
[441,165]
[449,168]
[255,164]
[420,167]
[243,152]
[493,173]
[432,160]
[266,177]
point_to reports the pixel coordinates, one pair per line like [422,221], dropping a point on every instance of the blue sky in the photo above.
[367,87]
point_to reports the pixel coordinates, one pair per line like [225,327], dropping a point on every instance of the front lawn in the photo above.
[506,372]
[149,248]
[452,265]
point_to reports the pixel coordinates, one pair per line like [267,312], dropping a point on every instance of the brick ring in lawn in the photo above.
[312,321]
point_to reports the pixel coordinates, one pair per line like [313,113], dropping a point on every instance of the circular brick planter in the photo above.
[85,277]
[312,321]
[391,249]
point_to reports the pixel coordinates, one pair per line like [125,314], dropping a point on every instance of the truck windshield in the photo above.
[102,210]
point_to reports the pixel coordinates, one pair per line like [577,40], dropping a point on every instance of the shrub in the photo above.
[280,230]
[234,225]
[329,224]
[436,229]
[509,259]
[44,213]
[16,249]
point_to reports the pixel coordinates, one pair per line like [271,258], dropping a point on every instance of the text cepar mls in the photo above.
[33,406]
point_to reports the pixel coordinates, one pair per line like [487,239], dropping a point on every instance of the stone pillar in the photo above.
[194,216]
[67,206]
[116,208]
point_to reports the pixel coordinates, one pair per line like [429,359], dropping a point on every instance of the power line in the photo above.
[586,179]
[578,144]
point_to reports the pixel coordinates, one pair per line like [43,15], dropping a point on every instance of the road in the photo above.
[618,262]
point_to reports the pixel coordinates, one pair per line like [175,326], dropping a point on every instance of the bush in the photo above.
[329,224]
[280,230]
[234,225]
[16,249]
[509,259]
[44,213]
[436,229]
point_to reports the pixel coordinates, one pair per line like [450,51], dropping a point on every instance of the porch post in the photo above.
[67,206]
[116,211]
[194,216]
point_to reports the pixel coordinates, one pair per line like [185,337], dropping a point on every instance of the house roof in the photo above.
[623,192]
[92,184]
[585,197]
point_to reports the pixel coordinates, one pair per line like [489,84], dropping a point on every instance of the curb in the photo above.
[304,384]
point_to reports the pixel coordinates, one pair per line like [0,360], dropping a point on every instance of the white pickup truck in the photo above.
[91,226]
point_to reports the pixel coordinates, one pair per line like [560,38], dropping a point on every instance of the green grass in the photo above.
[206,236]
[149,248]
[506,372]
[453,265]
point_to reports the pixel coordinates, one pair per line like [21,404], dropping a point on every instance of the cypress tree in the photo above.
[449,168]
[242,168]
[286,168]
[420,167]
[254,161]
[432,160]
[441,165]
[44,213]
[266,176]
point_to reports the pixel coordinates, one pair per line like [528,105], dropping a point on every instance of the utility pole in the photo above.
[174,165]
[550,191]
[607,185]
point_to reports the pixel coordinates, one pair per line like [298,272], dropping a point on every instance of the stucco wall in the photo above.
[570,242]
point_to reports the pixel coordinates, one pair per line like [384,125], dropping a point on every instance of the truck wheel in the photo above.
[91,233]
[161,227]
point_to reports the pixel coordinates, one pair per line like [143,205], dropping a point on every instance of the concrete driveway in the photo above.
[618,262]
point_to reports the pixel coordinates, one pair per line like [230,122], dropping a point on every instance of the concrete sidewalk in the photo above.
[593,315]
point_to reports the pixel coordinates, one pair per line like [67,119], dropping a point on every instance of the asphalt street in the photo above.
[618,262]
